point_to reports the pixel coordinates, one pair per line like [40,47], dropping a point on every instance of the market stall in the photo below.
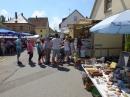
[110,79]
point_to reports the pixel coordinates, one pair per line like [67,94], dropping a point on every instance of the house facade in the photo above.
[71,19]
[20,24]
[110,45]
[3,27]
[41,26]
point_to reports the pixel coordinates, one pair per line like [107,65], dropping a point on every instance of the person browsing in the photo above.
[18,48]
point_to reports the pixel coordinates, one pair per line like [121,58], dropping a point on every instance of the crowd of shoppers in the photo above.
[46,46]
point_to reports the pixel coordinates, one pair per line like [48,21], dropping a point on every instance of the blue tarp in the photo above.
[5,32]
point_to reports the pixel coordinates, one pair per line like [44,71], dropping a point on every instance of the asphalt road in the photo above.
[39,81]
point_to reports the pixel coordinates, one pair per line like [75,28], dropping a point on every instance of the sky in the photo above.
[55,10]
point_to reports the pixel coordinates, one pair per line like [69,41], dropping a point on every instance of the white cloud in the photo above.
[55,23]
[39,14]
[3,12]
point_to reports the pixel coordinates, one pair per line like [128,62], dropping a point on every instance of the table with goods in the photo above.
[109,79]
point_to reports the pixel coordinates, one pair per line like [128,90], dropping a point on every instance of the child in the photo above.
[82,52]
[75,59]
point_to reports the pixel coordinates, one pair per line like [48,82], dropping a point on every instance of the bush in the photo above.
[127,45]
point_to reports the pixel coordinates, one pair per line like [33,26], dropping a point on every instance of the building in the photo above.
[41,25]
[3,27]
[20,24]
[106,8]
[71,19]
[108,45]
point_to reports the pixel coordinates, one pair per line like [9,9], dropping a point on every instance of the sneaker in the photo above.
[18,62]
[51,65]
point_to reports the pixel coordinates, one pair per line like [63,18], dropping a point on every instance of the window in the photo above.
[21,27]
[41,30]
[14,28]
[107,5]
[75,18]
[29,28]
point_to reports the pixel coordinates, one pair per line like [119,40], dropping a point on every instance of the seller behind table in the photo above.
[79,45]
[11,46]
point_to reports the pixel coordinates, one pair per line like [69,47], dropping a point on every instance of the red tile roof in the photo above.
[39,22]
[50,29]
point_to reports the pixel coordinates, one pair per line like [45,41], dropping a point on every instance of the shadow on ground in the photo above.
[42,66]
[32,64]
[63,69]
[20,64]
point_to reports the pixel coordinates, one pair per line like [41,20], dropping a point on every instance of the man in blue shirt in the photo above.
[18,47]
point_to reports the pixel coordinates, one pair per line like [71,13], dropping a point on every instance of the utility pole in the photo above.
[69,11]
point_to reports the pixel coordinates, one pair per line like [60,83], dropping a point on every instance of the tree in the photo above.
[2,18]
[33,32]
[127,45]
[55,31]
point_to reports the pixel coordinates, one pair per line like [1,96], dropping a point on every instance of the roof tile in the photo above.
[39,22]
[20,19]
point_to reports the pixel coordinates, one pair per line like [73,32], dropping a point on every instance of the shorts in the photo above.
[67,53]
[43,53]
[18,52]
[56,53]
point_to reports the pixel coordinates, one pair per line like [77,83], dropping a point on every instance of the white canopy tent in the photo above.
[35,36]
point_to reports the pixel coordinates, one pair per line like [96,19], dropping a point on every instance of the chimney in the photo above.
[36,18]
[15,15]
[21,14]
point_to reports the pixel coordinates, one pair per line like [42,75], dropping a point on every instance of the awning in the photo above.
[116,24]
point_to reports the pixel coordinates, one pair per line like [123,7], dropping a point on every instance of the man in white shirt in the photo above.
[56,43]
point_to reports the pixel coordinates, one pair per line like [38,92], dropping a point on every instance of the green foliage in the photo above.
[55,31]
[2,18]
[127,45]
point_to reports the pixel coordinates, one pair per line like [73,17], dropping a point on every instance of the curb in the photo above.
[5,59]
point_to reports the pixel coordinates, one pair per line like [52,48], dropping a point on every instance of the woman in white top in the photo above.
[66,48]
[72,48]
[3,47]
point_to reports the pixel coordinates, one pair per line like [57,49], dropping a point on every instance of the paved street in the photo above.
[34,81]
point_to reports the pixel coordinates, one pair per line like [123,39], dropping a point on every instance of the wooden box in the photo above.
[95,74]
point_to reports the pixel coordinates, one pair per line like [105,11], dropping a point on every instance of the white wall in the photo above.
[70,19]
